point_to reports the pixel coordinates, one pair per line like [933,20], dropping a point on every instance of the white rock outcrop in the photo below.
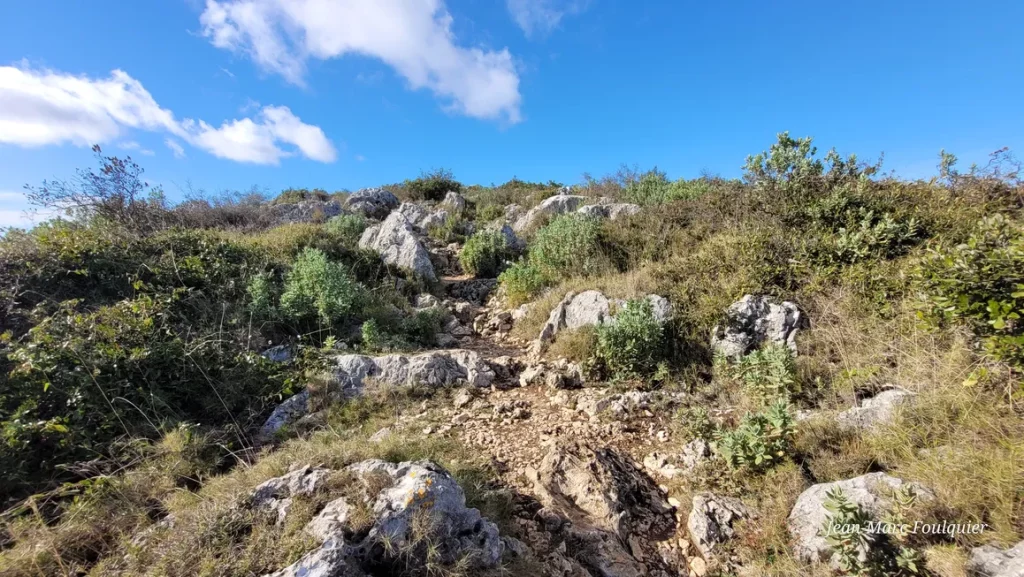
[398,245]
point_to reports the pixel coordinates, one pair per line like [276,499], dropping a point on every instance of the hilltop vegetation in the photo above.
[132,384]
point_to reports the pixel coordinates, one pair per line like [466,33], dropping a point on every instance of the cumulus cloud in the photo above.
[412,36]
[539,17]
[42,107]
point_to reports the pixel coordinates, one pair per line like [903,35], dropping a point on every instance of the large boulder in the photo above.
[806,521]
[373,203]
[989,561]
[275,495]
[422,218]
[590,308]
[454,202]
[755,320]
[553,205]
[874,411]
[432,369]
[611,211]
[616,511]
[411,504]
[397,242]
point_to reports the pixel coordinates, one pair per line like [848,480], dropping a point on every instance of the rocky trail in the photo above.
[590,468]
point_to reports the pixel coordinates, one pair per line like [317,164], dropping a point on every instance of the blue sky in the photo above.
[227,94]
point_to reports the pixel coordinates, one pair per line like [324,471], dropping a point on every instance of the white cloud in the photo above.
[39,108]
[542,16]
[412,36]
[176,148]
[16,212]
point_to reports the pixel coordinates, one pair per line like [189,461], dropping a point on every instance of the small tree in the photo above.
[116,194]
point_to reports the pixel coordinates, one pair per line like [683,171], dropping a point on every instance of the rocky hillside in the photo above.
[812,371]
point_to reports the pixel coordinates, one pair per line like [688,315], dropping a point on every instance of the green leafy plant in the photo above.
[846,531]
[860,551]
[486,254]
[347,226]
[980,283]
[568,246]
[631,344]
[317,288]
[433,185]
[521,282]
[769,372]
[760,441]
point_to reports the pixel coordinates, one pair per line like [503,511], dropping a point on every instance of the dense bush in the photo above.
[296,195]
[319,288]
[632,344]
[654,187]
[768,373]
[521,282]
[433,185]
[568,246]
[348,227]
[981,283]
[486,254]
[760,441]
[82,379]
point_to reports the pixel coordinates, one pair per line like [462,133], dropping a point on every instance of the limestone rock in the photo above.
[454,201]
[876,410]
[305,211]
[373,203]
[424,488]
[398,245]
[610,211]
[754,320]
[590,308]
[332,559]
[333,519]
[989,561]
[275,495]
[870,491]
[292,409]
[711,521]
[553,205]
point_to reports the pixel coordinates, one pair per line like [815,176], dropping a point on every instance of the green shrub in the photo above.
[633,343]
[521,282]
[486,254]
[317,288]
[297,195]
[452,230]
[688,189]
[490,213]
[981,283]
[261,296]
[349,227]
[433,185]
[82,379]
[568,246]
[760,441]
[390,328]
[769,373]
[859,551]
[651,188]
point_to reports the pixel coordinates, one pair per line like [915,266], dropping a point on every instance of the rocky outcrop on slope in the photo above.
[375,203]
[590,308]
[755,320]
[411,504]
[398,244]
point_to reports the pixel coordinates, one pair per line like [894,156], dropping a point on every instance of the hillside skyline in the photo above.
[235,93]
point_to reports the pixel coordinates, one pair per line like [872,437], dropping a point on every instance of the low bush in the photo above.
[348,227]
[768,373]
[486,254]
[632,344]
[568,246]
[521,282]
[296,195]
[317,288]
[981,283]
[433,185]
[760,441]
